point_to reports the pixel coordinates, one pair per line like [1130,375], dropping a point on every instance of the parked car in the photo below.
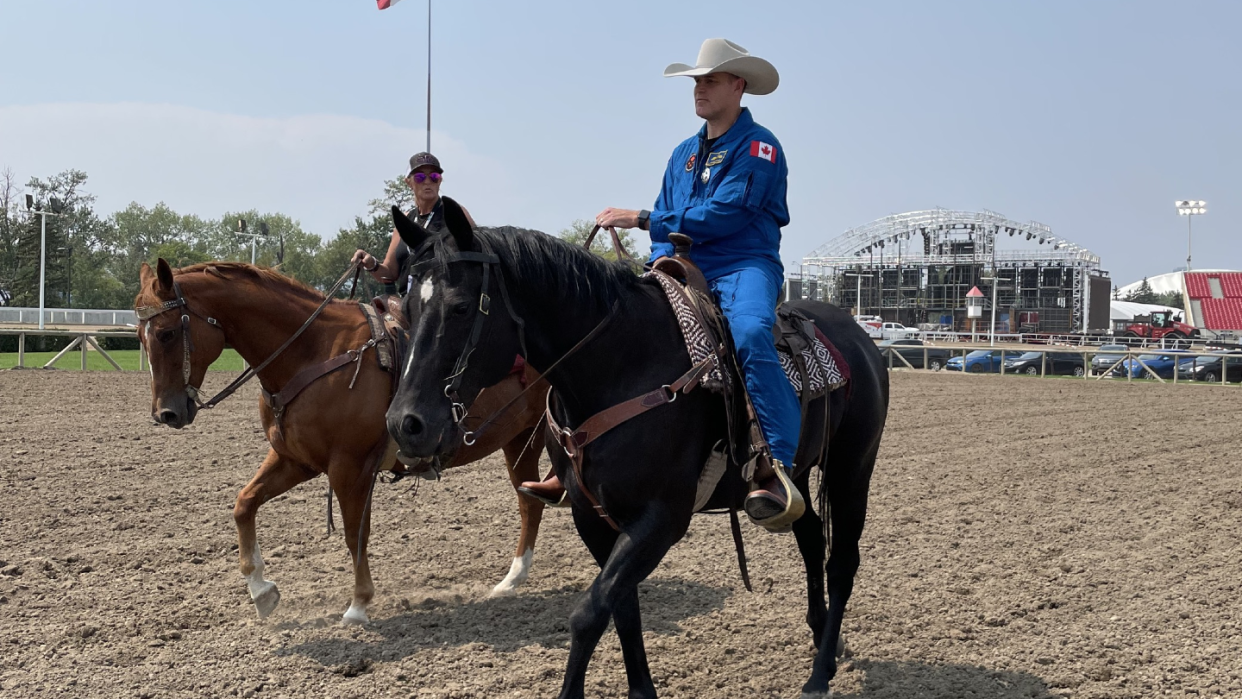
[912,351]
[979,362]
[1104,359]
[1029,363]
[1209,368]
[1162,364]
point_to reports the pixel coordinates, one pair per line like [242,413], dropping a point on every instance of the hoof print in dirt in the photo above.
[353,668]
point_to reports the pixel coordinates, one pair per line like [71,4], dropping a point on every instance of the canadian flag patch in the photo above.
[767,151]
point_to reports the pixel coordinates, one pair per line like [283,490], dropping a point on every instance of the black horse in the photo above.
[480,298]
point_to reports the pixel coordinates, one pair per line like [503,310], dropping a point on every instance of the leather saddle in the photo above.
[388,326]
[797,340]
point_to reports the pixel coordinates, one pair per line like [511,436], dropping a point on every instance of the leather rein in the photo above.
[146,313]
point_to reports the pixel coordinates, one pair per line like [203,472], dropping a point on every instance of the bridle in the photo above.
[453,380]
[483,309]
[146,313]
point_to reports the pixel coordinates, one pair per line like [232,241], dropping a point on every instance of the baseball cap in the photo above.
[423,160]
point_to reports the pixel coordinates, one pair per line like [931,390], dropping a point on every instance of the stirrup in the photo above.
[563,502]
[531,493]
[795,506]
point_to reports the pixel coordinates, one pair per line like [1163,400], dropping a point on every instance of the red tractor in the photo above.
[1160,325]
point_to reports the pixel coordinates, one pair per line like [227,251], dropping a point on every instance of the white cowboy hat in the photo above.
[724,56]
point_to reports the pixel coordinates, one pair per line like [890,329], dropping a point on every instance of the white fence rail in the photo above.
[67,316]
[82,341]
[934,356]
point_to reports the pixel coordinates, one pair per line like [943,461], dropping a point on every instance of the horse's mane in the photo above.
[566,270]
[263,276]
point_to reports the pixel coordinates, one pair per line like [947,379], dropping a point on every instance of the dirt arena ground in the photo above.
[1027,538]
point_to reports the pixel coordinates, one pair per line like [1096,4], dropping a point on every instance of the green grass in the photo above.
[128,359]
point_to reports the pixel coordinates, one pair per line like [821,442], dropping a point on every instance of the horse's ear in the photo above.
[144,275]
[413,234]
[457,223]
[164,272]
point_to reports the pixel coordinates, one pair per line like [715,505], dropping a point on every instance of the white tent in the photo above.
[1161,284]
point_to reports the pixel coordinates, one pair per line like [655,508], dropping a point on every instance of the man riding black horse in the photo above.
[725,188]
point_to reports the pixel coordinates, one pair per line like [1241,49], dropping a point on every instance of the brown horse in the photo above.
[334,426]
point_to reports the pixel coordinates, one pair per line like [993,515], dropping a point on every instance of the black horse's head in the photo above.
[462,338]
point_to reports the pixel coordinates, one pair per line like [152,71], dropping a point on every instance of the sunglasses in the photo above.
[421,177]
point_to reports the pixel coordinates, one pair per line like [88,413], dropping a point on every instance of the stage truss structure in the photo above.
[917,267]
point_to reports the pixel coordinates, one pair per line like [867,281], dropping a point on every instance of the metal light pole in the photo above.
[34,210]
[428,76]
[879,281]
[1190,209]
[254,237]
[992,331]
[858,293]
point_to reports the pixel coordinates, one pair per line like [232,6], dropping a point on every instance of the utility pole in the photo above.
[37,210]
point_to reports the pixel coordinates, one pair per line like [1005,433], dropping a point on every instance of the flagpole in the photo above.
[428,76]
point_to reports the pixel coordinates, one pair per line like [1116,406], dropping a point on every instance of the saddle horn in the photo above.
[680,266]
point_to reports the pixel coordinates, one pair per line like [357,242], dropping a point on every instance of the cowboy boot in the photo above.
[774,503]
[549,491]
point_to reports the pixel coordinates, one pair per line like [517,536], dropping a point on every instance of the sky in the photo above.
[1089,117]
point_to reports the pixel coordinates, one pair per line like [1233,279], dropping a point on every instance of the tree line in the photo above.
[93,259]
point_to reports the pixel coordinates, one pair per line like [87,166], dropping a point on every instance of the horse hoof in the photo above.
[356,614]
[267,600]
[518,572]
[501,591]
[817,695]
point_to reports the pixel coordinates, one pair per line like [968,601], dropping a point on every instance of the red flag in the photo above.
[385,4]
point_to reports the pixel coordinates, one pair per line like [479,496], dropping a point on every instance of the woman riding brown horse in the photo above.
[336,423]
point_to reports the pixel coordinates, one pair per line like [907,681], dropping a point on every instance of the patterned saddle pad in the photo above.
[825,367]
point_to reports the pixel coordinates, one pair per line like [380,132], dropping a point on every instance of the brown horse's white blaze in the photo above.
[330,428]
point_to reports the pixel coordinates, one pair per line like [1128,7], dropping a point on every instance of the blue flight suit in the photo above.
[735,217]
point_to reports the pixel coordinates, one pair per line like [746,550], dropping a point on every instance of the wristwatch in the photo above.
[644,220]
